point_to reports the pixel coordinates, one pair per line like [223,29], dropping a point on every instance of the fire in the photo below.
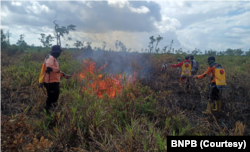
[99,84]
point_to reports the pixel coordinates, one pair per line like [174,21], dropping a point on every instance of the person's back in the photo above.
[54,75]
[195,65]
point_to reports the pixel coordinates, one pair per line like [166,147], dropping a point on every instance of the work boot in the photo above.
[209,108]
[217,106]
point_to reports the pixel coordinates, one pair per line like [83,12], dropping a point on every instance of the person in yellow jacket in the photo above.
[218,82]
[186,67]
[52,77]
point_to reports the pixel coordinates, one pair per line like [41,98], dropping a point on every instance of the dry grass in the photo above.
[159,107]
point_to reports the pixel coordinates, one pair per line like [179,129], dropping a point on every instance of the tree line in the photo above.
[61,32]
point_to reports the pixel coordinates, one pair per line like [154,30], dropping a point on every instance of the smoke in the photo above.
[119,62]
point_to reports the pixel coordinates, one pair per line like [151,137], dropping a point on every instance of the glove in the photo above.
[40,85]
[173,65]
[67,76]
[49,69]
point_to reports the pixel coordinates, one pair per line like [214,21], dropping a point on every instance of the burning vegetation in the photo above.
[100,84]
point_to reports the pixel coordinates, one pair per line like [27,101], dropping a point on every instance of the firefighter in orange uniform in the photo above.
[218,82]
[51,77]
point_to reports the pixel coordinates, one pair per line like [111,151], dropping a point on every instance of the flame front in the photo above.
[111,85]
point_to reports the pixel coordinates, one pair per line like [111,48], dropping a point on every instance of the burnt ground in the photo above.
[192,103]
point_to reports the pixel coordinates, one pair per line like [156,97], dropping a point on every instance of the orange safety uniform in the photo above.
[210,70]
[55,75]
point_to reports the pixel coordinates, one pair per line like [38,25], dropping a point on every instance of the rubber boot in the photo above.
[217,106]
[209,108]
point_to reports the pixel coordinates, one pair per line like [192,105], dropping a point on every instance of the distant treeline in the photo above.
[46,41]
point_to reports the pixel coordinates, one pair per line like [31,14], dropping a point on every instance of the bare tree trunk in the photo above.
[156,45]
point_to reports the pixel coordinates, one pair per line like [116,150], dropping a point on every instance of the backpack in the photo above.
[196,65]
[220,77]
[186,69]
[42,73]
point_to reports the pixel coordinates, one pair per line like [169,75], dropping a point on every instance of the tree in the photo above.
[171,44]
[104,45]
[195,51]
[3,40]
[238,52]
[88,44]
[211,52]
[116,44]
[157,50]
[229,51]
[21,41]
[179,51]
[61,31]
[46,41]
[42,39]
[164,49]
[119,45]
[66,45]
[158,39]
[247,53]
[200,53]
[8,34]
[151,43]
[3,36]
[78,44]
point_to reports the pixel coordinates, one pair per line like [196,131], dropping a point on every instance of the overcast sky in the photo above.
[191,24]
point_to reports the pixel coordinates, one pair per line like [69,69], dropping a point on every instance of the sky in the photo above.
[216,25]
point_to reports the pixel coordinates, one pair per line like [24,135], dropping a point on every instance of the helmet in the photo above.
[210,58]
[187,57]
[178,59]
[191,57]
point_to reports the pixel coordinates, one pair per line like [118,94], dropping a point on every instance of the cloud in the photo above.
[120,3]
[16,3]
[125,3]
[37,8]
[217,33]
[141,9]
[203,25]
[167,24]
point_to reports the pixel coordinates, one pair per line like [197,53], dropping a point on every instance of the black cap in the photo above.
[56,48]
[187,57]
[191,57]
[210,58]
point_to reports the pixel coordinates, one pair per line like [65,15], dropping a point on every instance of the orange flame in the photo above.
[111,85]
